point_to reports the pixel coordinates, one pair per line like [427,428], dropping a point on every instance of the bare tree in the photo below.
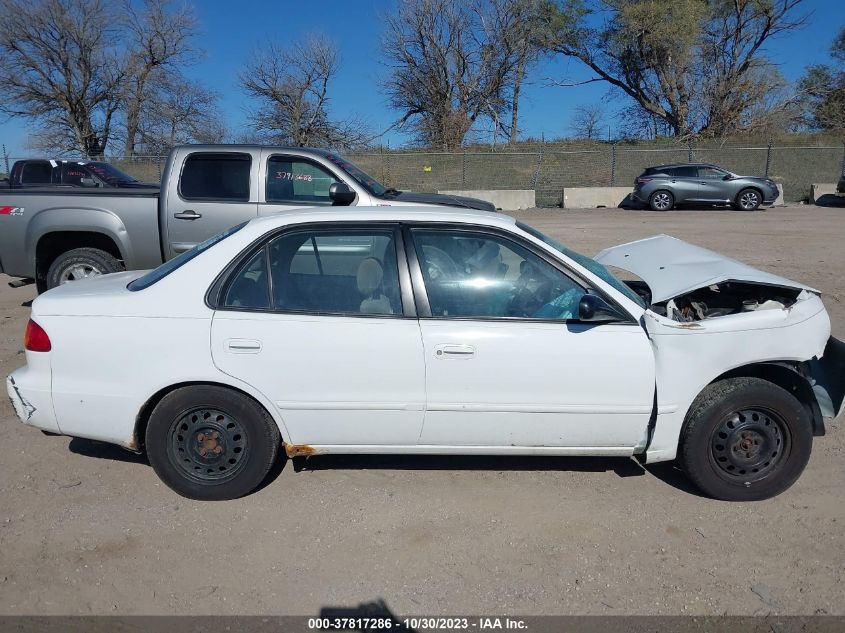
[62,70]
[291,82]
[822,90]
[161,40]
[177,112]
[696,65]
[587,121]
[449,66]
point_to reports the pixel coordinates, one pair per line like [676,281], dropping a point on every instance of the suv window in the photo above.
[711,173]
[292,179]
[324,272]
[210,176]
[684,172]
[469,274]
[37,173]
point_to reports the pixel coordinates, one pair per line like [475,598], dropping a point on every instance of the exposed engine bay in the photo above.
[722,299]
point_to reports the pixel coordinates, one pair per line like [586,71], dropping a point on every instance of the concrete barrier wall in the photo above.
[593,197]
[502,198]
[817,190]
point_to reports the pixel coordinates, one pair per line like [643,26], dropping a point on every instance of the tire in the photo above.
[79,263]
[745,439]
[748,200]
[239,444]
[661,200]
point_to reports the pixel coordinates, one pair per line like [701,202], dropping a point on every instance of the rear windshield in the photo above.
[166,268]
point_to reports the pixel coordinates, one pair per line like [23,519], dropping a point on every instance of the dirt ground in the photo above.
[86,528]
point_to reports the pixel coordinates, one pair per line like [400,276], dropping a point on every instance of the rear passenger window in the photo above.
[37,173]
[685,172]
[210,176]
[321,272]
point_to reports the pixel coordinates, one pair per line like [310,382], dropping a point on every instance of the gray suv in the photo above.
[665,186]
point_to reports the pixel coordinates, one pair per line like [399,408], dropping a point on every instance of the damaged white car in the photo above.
[444,331]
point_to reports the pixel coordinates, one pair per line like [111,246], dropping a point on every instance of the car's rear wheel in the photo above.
[748,200]
[661,201]
[745,439]
[81,263]
[211,443]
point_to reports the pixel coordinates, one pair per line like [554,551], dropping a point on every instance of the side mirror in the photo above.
[593,308]
[728,177]
[341,194]
[87,182]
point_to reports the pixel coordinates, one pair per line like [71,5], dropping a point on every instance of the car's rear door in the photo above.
[320,319]
[508,364]
[212,193]
[684,181]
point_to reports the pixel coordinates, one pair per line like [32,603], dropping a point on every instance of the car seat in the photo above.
[369,278]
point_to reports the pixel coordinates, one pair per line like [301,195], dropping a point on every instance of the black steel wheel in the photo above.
[745,439]
[211,443]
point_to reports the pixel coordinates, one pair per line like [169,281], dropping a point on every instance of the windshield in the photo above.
[109,173]
[587,262]
[361,177]
[166,268]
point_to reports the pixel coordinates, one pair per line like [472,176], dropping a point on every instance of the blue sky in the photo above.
[231,30]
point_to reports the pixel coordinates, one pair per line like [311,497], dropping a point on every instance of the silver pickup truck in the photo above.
[52,236]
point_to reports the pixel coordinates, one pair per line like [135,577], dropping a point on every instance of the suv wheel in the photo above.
[748,200]
[81,263]
[661,201]
[745,439]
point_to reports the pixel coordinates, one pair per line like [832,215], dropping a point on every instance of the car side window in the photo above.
[72,174]
[710,173]
[292,179]
[37,173]
[215,176]
[684,172]
[322,272]
[469,274]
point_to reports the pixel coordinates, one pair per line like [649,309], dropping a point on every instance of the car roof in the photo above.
[384,214]
[670,165]
[246,147]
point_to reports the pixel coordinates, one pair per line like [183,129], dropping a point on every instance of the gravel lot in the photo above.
[86,528]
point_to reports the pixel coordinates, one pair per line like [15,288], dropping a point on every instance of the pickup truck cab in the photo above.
[54,235]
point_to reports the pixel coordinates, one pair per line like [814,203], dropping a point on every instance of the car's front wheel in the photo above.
[745,439]
[661,201]
[748,200]
[211,443]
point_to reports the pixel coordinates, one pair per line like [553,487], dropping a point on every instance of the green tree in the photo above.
[823,89]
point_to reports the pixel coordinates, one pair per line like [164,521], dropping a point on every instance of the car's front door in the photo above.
[508,364]
[212,194]
[712,185]
[317,321]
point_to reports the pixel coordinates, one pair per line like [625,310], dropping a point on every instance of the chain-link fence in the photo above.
[548,168]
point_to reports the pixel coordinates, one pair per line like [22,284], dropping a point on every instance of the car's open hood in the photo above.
[672,267]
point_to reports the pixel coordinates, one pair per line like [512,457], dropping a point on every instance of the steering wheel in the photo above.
[439,265]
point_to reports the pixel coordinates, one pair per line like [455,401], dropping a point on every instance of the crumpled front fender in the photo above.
[827,377]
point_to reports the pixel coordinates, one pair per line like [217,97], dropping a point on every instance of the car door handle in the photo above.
[188,214]
[243,346]
[454,351]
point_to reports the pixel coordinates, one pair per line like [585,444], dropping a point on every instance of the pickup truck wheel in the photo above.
[745,439]
[211,443]
[81,263]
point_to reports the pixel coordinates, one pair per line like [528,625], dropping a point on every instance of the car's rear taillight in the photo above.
[641,180]
[35,339]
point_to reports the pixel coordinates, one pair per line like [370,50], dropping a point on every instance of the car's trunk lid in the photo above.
[672,267]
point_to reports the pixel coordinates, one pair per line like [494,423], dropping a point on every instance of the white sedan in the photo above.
[374,330]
